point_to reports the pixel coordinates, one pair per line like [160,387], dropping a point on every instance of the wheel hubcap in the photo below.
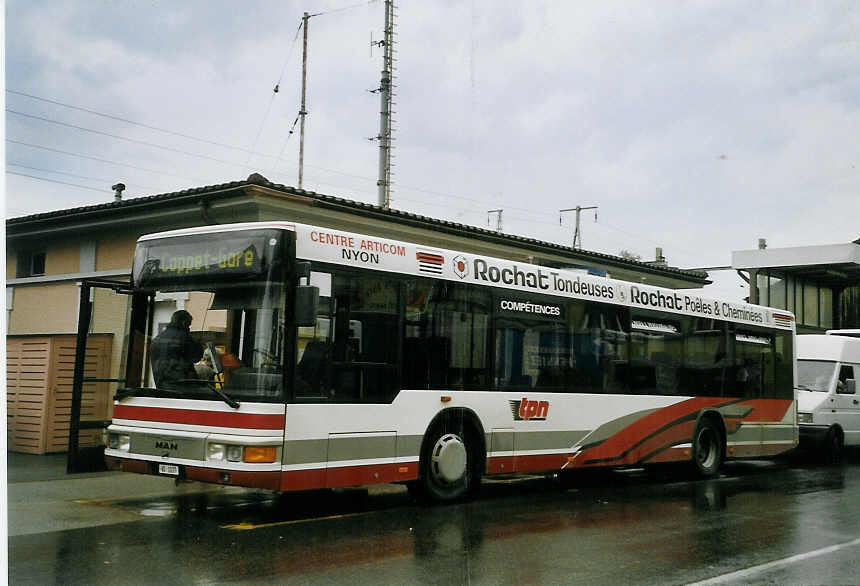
[449,458]
[705,452]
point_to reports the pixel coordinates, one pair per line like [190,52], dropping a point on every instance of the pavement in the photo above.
[42,497]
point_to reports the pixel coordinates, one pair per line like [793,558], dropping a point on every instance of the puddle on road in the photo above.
[159,510]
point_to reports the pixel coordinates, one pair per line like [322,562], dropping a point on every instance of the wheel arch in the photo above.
[836,428]
[716,418]
[471,421]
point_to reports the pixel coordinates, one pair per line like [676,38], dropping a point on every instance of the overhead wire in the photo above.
[275,90]
[74,175]
[281,76]
[141,124]
[100,160]
[343,8]
[8,172]
[131,140]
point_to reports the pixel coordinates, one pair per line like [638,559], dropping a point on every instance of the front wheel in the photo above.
[447,463]
[833,446]
[707,449]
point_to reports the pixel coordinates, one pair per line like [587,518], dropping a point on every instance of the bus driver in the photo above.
[174,352]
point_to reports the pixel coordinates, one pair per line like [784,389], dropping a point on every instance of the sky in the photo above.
[698,127]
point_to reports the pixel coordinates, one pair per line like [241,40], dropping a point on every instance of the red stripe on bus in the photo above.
[317,478]
[431,258]
[623,448]
[617,444]
[767,409]
[195,417]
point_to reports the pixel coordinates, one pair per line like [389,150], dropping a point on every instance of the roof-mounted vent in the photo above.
[117,191]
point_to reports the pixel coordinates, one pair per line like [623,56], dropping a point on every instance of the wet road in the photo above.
[781,522]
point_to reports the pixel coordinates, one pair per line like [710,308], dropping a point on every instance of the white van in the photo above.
[828,407]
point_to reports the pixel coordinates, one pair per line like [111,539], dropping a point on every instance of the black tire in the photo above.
[833,444]
[448,462]
[708,449]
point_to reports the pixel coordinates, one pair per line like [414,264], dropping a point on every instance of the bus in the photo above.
[336,359]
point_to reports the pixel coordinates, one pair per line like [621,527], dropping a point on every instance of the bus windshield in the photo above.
[214,317]
[815,375]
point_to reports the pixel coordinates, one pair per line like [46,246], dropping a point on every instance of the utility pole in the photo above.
[498,219]
[577,239]
[303,112]
[385,92]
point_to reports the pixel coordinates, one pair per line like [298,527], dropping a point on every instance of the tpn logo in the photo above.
[525,410]
[461,267]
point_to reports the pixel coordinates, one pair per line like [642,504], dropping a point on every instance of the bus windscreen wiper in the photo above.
[224,396]
[212,386]
[216,366]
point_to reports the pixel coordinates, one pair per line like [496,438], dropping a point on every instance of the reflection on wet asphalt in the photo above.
[627,527]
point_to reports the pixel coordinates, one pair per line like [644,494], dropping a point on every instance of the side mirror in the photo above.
[307,302]
[849,389]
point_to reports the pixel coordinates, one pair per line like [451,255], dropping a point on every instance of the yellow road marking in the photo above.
[252,526]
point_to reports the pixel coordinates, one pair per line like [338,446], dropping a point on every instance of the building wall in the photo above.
[116,252]
[51,308]
[62,258]
[11,264]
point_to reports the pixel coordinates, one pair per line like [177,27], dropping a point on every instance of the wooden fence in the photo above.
[40,371]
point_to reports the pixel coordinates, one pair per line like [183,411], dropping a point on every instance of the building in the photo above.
[820,284]
[49,254]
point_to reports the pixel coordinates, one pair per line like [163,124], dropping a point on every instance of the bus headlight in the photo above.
[804,417]
[215,452]
[119,441]
[234,453]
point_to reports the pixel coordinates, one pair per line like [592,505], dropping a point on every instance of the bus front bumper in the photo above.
[811,435]
[264,479]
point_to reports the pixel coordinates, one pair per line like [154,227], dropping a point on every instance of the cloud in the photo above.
[696,127]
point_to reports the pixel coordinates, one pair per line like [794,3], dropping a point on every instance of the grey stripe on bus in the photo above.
[335,449]
[547,440]
[610,428]
[735,411]
[756,432]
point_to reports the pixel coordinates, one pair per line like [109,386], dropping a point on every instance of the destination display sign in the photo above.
[218,256]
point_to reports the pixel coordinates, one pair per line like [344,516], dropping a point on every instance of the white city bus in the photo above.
[345,360]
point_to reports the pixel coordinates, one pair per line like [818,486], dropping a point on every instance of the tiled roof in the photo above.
[396,215]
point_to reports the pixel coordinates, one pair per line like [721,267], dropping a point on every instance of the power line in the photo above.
[350,7]
[100,160]
[131,140]
[275,91]
[141,124]
[55,181]
[106,181]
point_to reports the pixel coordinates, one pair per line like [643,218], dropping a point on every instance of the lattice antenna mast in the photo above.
[386,113]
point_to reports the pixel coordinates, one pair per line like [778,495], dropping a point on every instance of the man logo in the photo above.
[461,266]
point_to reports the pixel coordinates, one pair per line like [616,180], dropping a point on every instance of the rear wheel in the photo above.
[707,448]
[448,471]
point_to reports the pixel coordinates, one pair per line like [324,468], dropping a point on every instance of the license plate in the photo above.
[170,469]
